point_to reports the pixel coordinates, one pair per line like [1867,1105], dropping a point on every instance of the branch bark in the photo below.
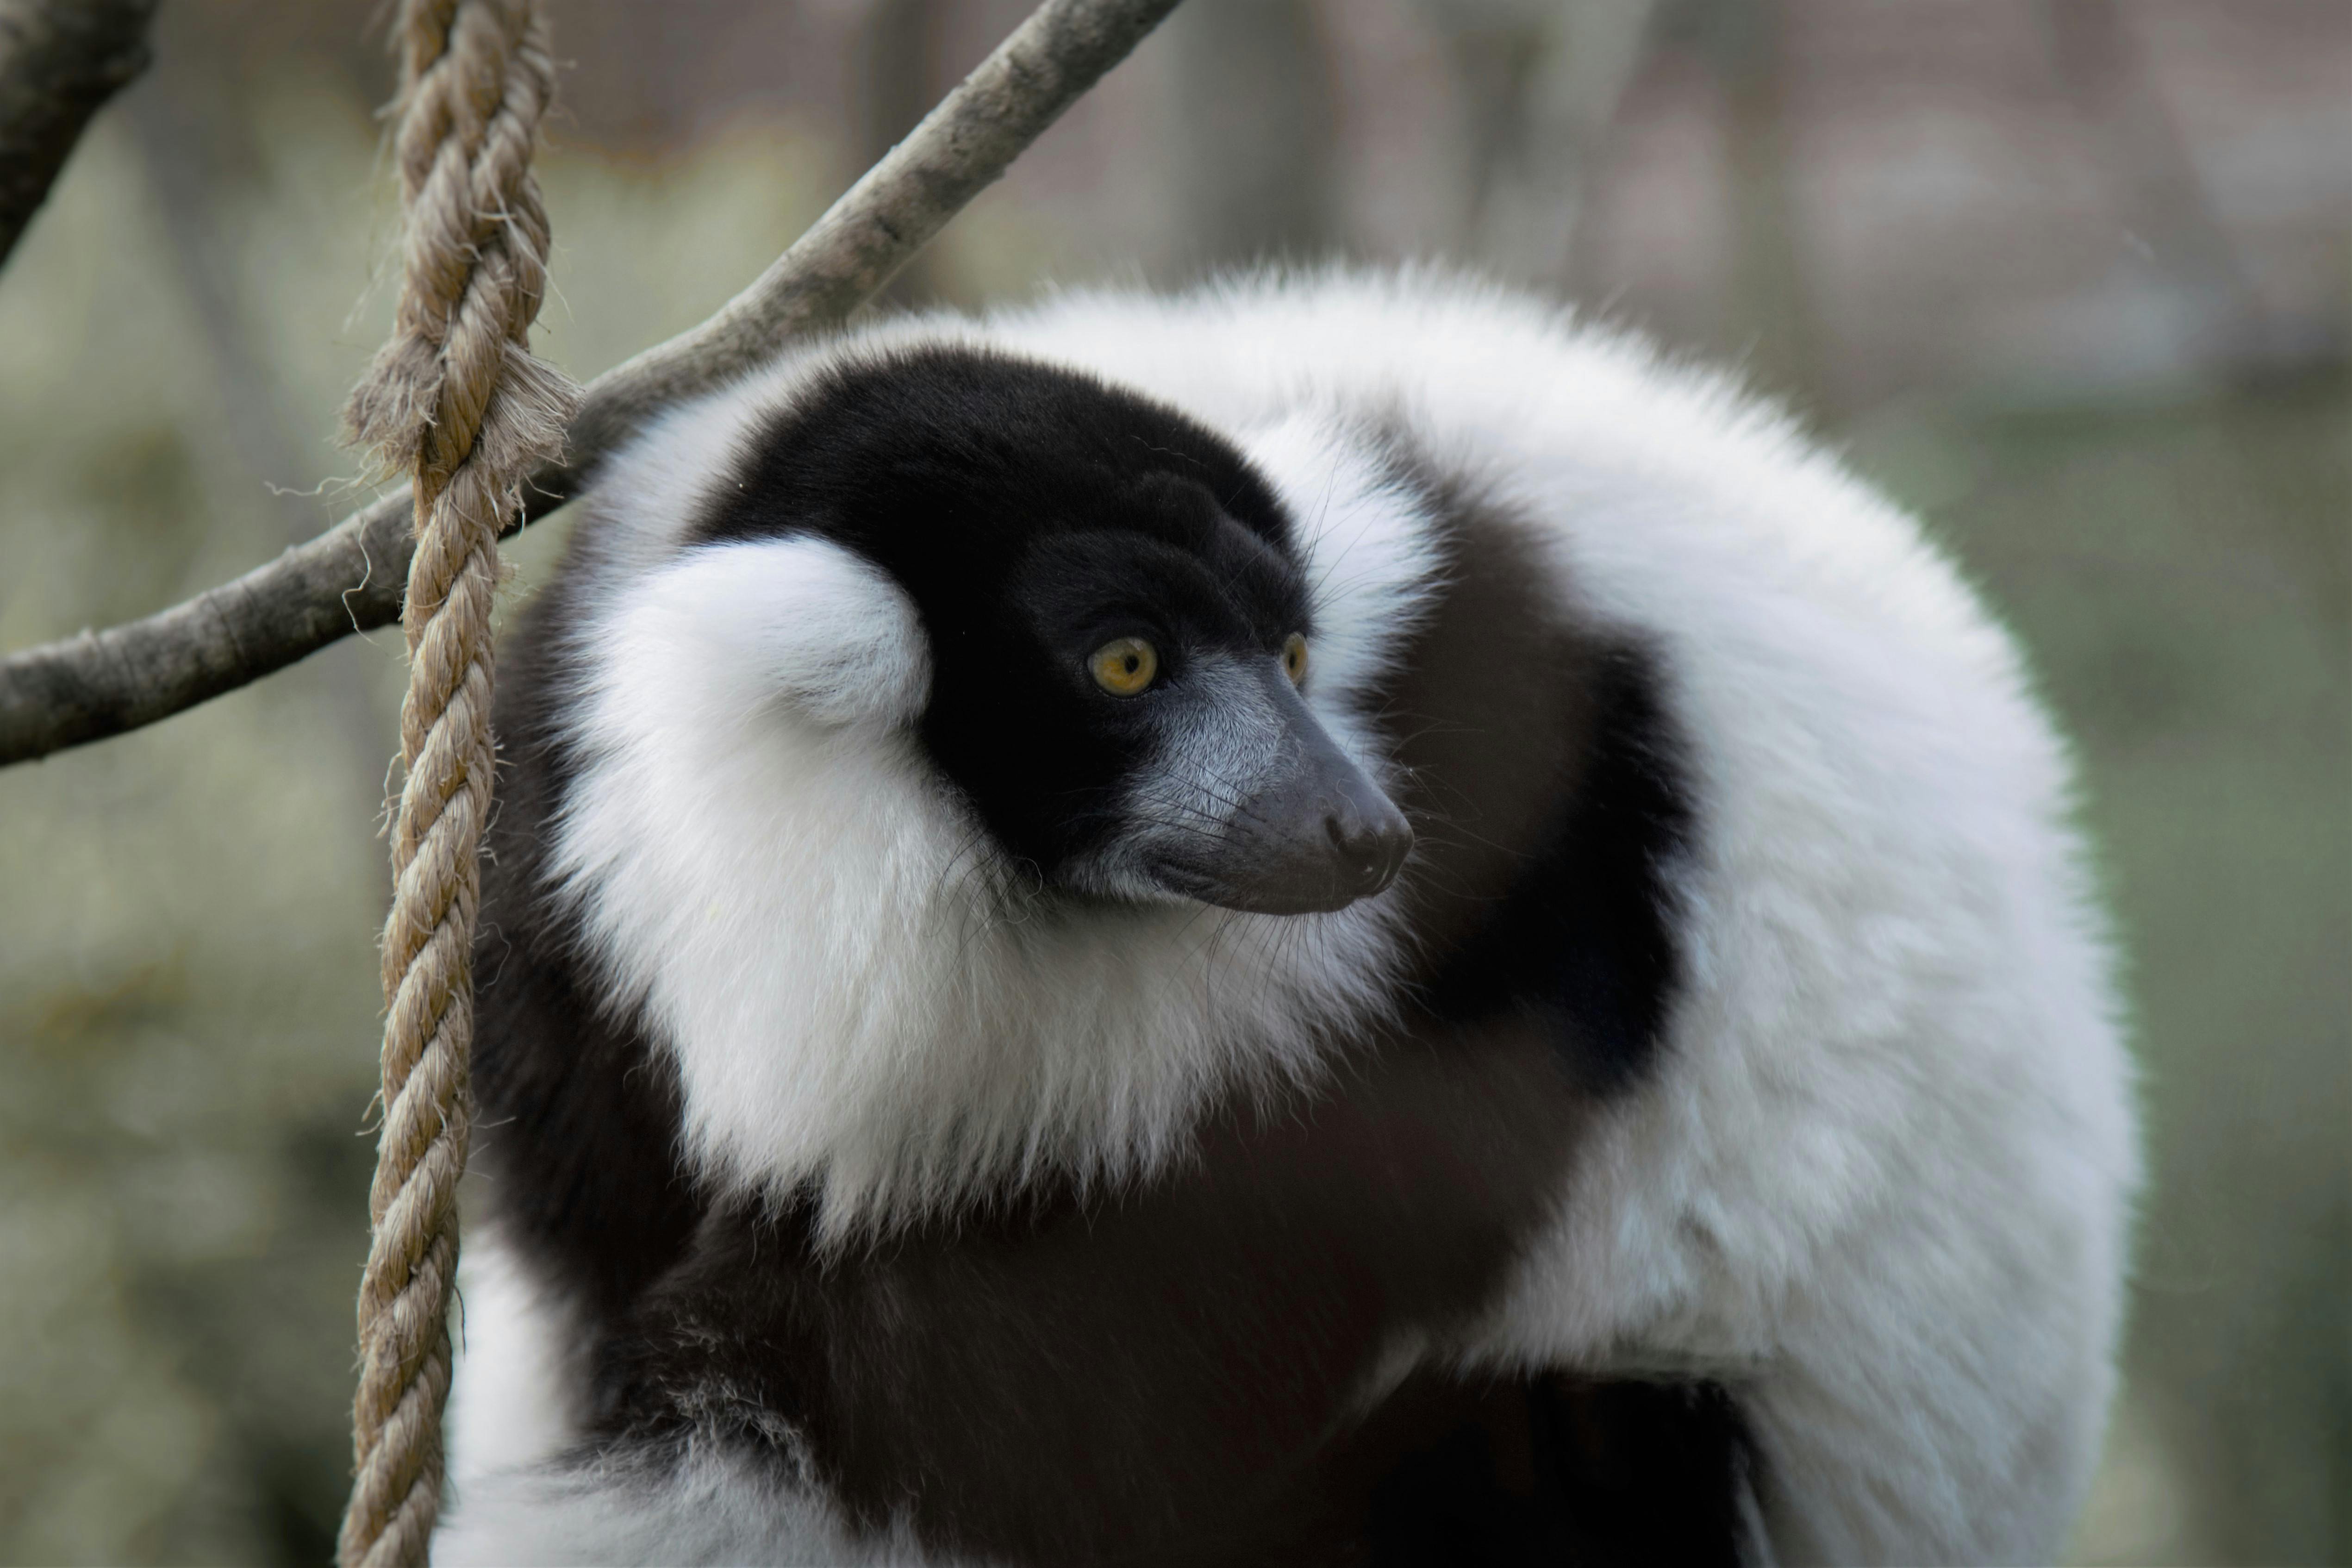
[60,61]
[350,578]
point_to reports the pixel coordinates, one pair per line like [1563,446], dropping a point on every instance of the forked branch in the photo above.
[350,578]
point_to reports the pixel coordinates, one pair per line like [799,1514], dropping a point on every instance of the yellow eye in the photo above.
[1125,667]
[1294,658]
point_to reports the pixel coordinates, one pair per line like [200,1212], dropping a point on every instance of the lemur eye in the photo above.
[1294,658]
[1125,667]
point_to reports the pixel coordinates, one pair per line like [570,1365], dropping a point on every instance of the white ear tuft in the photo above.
[1367,545]
[800,624]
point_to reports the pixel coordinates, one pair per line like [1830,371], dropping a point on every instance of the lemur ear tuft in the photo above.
[802,626]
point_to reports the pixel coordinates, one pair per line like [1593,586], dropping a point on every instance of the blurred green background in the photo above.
[2070,277]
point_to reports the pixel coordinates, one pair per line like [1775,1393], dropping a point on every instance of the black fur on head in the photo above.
[1033,516]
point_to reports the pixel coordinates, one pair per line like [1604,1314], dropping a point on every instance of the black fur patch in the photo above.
[1585,938]
[1033,515]
[1548,793]
[1554,1470]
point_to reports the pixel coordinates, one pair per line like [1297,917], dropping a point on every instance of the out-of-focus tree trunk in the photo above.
[1538,83]
[2157,186]
[1770,300]
[1254,133]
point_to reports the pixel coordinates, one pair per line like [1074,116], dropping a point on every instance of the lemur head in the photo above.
[1117,625]
[910,705]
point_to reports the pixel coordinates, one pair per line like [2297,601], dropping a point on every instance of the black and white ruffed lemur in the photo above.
[1329,922]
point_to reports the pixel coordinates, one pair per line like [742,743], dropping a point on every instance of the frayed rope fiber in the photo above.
[455,399]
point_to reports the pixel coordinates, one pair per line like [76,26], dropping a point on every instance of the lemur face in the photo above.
[1121,641]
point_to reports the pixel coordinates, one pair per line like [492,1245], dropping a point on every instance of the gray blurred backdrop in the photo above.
[2069,277]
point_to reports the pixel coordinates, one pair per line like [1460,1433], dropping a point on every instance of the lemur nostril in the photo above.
[1354,838]
[1370,849]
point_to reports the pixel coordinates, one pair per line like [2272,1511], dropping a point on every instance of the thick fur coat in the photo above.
[1715,1143]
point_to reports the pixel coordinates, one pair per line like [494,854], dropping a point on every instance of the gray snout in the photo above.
[1371,837]
[1319,839]
[1314,833]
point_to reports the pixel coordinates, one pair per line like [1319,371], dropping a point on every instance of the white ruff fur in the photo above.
[516,1400]
[701,1503]
[1880,1182]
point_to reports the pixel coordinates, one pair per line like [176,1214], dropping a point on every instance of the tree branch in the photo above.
[350,577]
[60,61]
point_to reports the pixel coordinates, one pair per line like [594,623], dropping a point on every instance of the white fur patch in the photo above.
[703,1505]
[515,1400]
[797,625]
[1371,557]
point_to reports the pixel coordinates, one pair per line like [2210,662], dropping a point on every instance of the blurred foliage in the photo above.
[187,981]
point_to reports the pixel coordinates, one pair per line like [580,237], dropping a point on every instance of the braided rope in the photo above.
[455,398]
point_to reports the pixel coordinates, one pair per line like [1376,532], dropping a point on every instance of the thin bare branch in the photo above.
[350,578]
[60,61]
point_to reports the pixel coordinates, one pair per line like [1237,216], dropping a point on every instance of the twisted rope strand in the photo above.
[456,397]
